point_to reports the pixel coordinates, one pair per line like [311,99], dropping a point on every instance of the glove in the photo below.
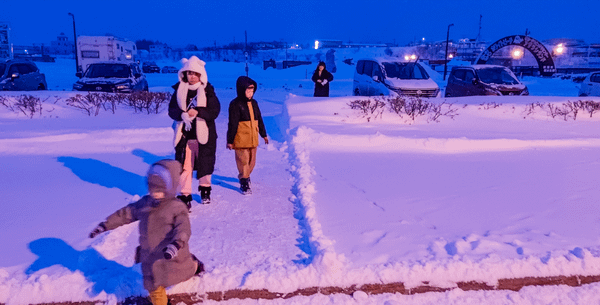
[187,121]
[99,229]
[170,250]
[324,82]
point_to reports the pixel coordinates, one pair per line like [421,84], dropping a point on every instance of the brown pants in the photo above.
[245,159]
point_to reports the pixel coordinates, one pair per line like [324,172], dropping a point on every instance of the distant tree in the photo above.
[191,47]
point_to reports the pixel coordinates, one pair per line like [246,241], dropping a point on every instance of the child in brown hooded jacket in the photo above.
[164,231]
[245,125]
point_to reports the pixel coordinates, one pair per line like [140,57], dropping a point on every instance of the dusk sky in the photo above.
[182,22]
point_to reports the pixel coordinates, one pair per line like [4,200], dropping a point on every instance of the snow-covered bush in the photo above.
[140,101]
[27,104]
[566,111]
[369,108]
[150,102]
[402,105]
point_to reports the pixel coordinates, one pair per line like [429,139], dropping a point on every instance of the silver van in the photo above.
[380,76]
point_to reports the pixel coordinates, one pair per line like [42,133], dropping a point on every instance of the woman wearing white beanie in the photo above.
[194,106]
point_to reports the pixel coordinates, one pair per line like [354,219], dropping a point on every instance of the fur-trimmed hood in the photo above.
[193,64]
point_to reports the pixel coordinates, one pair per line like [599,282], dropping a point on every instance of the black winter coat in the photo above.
[205,163]
[239,111]
[321,90]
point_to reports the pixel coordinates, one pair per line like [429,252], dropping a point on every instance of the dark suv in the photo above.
[150,67]
[112,77]
[483,80]
[19,75]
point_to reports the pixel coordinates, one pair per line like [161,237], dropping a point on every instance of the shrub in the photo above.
[151,102]
[29,105]
[89,103]
[140,101]
[370,107]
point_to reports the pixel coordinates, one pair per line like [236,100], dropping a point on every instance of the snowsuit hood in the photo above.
[164,176]
[242,83]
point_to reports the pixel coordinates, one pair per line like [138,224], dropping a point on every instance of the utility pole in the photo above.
[246,49]
[75,41]
[446,56]
[479,33]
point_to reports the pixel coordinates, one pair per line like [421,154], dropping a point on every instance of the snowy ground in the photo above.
[493,193]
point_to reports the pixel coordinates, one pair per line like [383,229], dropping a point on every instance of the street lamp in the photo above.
[75,41]
[446,54]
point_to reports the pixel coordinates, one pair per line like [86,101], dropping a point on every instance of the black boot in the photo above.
[245,186]
[205,194]
[200,267]
[187,199]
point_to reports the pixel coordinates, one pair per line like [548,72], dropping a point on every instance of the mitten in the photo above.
[99,229]
[324,82]
[187,121]
[170,250]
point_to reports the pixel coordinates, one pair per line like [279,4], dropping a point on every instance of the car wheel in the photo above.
[356,92]
[41,87]
[582,94]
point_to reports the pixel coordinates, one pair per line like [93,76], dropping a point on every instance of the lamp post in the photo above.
[75,41]
[446,54]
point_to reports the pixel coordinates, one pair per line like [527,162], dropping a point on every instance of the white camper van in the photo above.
[92,49]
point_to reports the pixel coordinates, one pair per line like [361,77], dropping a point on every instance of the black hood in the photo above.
[242,83]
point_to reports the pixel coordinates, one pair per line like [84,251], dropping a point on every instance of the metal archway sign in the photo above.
[539,51]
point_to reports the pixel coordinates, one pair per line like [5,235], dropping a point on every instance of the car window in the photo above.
[469,75]
[359,66]
[368,69]
[595,78]
[13,69]
[497,76]
[377,71]
[25,69]
[405,70]
[459,74]
[107,71]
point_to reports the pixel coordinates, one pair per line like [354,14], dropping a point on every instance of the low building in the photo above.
[61,46]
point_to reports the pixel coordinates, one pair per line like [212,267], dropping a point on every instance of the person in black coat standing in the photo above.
[194,106]
[322,78]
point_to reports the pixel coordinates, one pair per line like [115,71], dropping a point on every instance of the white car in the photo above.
[377,76]
[590,85]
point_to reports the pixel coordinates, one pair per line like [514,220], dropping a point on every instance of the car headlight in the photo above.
[77,86]
[123,86]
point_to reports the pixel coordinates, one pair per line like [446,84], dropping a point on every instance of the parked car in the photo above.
[112,77]
[388,76]
[150,67]
[483,80]
[590,85]
[20,75]
[169,69]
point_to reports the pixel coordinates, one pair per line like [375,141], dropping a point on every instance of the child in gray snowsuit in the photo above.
[164,231]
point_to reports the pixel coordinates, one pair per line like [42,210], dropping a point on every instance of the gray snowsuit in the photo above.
[162,222]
